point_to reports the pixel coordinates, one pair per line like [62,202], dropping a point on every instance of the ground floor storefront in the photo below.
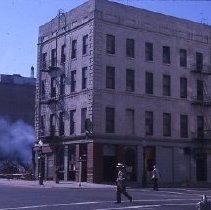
[96,162]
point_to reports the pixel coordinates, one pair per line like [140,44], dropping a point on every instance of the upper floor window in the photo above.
[199,61]
[63,53]
[73,81]
[148,51]
[166,124]
[184,126]
[130,80]
[84,78]
[110,44]
[130,121]
[200,127]
[183,87]
[183,57]
[74,49]
[42,124]
[72,121]
[130,48]
[52,124]
[44,61]
[166,85]
[166,55]
[85,44]
[110,120]
[83,119]
[43,85]
[110,77]
[149,123]
[200,89]
[53,87]
[62,84]
[61,123]
[53,57]
[149,83]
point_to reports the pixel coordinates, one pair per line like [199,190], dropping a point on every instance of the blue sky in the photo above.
[20,20]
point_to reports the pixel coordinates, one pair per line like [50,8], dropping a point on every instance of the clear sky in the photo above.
[20,20]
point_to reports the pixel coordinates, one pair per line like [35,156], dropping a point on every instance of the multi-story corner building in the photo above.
[122,84]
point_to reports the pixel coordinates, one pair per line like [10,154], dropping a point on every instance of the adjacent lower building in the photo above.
[122,84]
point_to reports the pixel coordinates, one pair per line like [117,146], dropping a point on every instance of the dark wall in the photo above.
[17,102]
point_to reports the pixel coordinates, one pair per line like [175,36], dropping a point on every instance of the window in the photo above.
[53,57]
[199,61]
[84,78]
[200,127]
[73,81]
[130,122]
[200,92]
[166,124]
[43,83]
[52,124]
[62,85]
[44,61]
[72,122]
[42,124]
[183,57]
[53,87]
[61,123]
[63,54]
[110,120]
[110,44]
[110,77]
[166,55]
[74,49]
[166,85]
[149,123]
[148,51]
[130,80]
[183,87]
[85,44]
[183,126]
[149,83]
[83,119]
[130,48]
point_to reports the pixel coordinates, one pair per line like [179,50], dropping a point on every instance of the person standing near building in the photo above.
[155,177]
[121,183]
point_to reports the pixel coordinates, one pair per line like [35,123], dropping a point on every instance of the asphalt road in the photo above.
[47,198]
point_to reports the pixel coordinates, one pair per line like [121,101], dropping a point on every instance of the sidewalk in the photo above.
[52,184]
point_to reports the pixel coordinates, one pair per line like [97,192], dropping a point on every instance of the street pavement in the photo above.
[21,194]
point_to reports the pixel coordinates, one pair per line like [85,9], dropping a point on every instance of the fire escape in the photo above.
[51,91]
[202,101]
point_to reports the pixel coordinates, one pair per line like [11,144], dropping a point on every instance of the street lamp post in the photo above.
[40,163]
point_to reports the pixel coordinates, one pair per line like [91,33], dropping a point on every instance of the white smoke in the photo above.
[16,141]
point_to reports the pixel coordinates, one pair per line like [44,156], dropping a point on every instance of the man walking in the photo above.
[155,177]
[121,183]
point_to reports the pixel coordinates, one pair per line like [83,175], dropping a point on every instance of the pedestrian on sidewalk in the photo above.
[155,177]
[121,183]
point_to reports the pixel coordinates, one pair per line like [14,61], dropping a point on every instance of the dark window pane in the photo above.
[148,123]
[149,83]
[166,85]
[110,77]
[166,55]
[110,120]
[166,124]
[130,48]
[148,51]
[110,44]
[130,80]
[183,87]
